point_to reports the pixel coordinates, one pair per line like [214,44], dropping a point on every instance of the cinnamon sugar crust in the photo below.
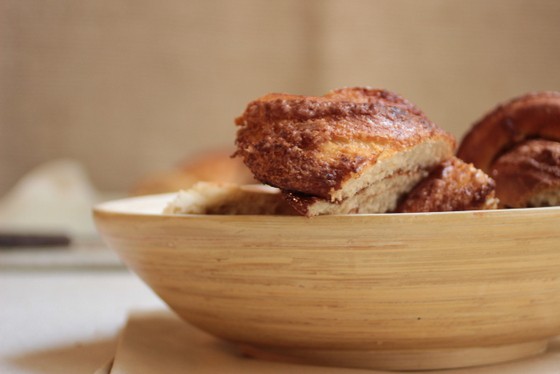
[529,174]
[534,115]
[315,145]
[452,186]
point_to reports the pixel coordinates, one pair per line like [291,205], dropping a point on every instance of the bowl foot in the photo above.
[428,359]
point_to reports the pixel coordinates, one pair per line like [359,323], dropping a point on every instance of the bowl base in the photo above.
[428,359]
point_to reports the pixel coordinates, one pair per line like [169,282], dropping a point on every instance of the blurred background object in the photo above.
[55,197]
[130,88]
[46,216]
[211,166]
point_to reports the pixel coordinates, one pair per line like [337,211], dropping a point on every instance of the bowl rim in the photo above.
[145,206]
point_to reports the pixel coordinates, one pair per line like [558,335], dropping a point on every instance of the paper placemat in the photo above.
[159,342]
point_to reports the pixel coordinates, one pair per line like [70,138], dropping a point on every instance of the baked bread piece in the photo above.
[378,198]
[453,185]
[529,175]
[229,199]
[171,180]
[534,115]
[210,166]
[354,143]
[517,144]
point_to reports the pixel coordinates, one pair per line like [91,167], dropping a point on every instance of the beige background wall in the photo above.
[129,87]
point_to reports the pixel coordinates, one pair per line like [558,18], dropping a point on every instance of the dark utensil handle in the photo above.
[10,240]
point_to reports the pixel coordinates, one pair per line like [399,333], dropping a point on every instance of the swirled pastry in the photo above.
[518,144]
[353,150]
[453,185]
[534,115]
[529,175]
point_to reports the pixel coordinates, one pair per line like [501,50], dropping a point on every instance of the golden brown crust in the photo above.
[529,169]
[534,115]
[451,186]
[312,145]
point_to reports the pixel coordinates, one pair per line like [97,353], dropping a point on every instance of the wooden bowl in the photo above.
[387,291]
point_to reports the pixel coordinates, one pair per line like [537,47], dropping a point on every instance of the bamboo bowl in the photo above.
[387,291]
